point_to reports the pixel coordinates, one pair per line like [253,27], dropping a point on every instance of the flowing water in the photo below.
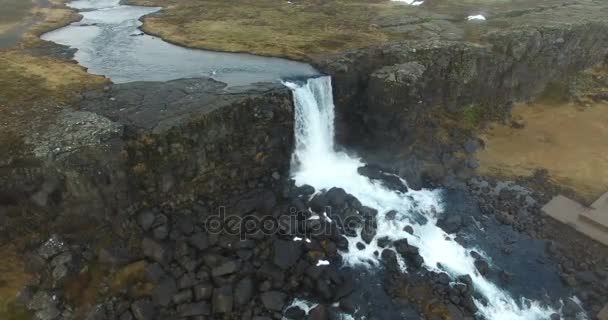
[110,43]
[317,163]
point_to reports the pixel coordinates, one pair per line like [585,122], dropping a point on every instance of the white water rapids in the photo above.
[317,163]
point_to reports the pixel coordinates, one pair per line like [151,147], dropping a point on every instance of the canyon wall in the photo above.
[144,143]
[420,100]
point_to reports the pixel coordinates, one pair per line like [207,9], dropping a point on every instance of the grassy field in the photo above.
[568,140]
[32,90]
[13,13]
[296,29]
[28,19]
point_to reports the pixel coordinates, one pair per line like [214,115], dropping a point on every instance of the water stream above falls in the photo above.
[317,163]
[110,43]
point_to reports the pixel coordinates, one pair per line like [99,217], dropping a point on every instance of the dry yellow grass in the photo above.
[28,19]
[295,30]
[12,280]
[32,91]
[54,17]
[24,78]
[571,142]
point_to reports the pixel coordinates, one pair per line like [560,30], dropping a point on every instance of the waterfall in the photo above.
[316,162]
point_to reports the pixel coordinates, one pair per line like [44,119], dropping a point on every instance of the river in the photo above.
[110,43]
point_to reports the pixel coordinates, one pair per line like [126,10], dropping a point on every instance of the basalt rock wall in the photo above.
[190,138]
[149,143]
[399,95]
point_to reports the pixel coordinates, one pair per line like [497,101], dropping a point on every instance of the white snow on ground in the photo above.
[410,2]
[476,17]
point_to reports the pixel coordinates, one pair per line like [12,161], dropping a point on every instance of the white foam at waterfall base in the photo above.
[316,162]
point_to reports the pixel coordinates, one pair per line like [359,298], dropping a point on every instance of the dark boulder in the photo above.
[286,253]
[571,309]
[319,203]
[203,291]
[304,190]
[184,296]
[387,179]
[226,268]
[368,213]
[368,233]
[244,291]
[273,300]
[295,313]
[222,300]
[262,201]
[482,266]
[450,223]
[164,292]
[320,312]
[156,251]
[145,219]
[383,242]
[143,310]
[336,197]
[194,309]
[199,240]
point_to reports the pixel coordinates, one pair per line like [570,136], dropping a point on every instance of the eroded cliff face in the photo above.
[147,143]
[414,104]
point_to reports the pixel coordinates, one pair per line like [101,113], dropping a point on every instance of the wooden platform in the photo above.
[591,221]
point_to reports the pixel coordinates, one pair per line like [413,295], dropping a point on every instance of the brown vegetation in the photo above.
[294,29]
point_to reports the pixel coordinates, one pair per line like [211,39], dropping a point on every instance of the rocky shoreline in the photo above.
[170,263]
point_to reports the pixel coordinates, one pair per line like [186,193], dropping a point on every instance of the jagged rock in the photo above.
[52,247]
[185,225]
[45,305]
[182,297]
[203,291]
[348,305]
[155,272]
[388,180]
[127,315]
[368,233]
[450,223]
[482,266]
[194,309]
[243,292]
[143,310]
[319,312]
[383,242]
[295,313]
[571,309]
[323,289]
[155,251]
[164,292]
[161,232]
[319,203]
[188,280]
[222,299]
[145,219]
[304,190]
[336,197]
[225,268]
[286,253]
[408,229]
[273,300]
